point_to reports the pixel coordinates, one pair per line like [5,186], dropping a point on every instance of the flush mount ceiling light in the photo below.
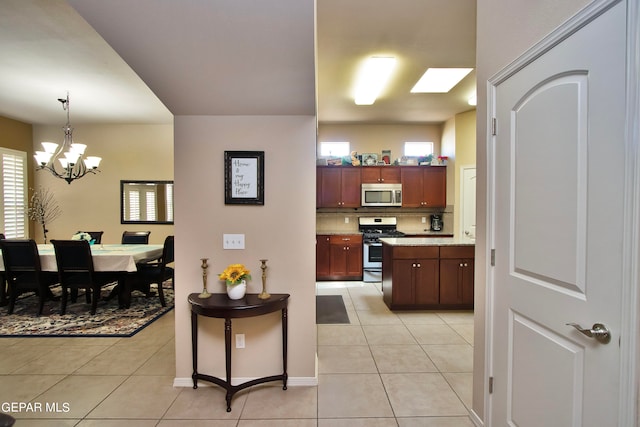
[372,78]
[440,80]
[70,155]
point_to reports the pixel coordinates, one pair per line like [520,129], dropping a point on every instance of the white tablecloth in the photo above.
[105,257]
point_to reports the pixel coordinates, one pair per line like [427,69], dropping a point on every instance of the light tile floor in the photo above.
[383,369]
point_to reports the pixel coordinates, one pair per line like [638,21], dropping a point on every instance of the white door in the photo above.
[468,211]
[557,230]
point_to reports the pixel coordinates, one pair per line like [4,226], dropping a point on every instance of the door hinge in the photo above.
[490,385]
[493,257]
[494,126]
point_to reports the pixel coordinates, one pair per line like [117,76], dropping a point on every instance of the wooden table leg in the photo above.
[284,347]
[227,353]
[194,347]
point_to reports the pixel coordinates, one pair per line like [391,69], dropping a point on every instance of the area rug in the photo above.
[109,320]
[330,309]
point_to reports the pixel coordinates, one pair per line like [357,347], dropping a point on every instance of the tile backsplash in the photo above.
[408,222]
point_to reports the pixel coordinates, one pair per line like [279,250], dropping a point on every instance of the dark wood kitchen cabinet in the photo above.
[339,257]
[456,275]
[424,186]
[323,260]
[427,277]
[412,279]
[381,175]
[338,187]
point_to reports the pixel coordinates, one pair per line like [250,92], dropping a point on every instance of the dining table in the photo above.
[106,257]
[109,258]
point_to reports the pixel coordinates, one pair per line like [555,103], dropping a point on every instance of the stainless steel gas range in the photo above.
[372,229]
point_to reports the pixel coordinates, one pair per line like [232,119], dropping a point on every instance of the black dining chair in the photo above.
[75,271]
[157,271]
[135,237]
[24,272]
[96,236]
[3,284]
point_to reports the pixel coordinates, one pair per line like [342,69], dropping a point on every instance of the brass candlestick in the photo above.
[205,293]
[263,267]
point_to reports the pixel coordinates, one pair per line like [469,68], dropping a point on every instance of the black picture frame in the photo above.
[244,177]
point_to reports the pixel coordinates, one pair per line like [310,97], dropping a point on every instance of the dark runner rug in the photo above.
[330,309]
[109,320]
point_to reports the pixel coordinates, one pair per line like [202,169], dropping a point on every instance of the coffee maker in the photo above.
[436,222]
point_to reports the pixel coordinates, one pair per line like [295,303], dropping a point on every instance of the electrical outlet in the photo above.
[346,220]
[424,219]
[239,340]
[233,241]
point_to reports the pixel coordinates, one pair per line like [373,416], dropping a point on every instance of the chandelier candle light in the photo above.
[70,154]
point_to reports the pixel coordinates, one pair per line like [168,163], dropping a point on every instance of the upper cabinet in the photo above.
[424,186]
[338,187]
[381,174]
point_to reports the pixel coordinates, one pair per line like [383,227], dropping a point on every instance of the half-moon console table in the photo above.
[220,306]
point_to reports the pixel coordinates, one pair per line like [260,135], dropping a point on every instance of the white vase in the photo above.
[237,291]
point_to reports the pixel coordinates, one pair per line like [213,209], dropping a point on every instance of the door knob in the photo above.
[598,331]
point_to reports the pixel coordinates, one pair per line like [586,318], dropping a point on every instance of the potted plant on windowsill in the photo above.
[235,276]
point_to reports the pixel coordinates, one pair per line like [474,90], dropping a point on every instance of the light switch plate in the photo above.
[239,340]
[233,241]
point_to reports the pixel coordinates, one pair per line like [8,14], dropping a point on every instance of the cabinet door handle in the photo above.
[418,265]
[461,265]
[413,265]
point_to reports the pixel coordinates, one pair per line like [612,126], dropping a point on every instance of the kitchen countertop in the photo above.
[427,241]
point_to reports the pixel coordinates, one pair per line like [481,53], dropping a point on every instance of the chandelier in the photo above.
[70,154]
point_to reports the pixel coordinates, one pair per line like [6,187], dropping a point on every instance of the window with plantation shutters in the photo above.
[169,202]
[14,194]
[140,203]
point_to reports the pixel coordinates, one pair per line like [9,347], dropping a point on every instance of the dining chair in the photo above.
[135,237]
[157,271]
[3,283]
[24,272]
[75,271]
[96,236]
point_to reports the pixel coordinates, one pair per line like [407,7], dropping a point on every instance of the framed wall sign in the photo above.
[244,177]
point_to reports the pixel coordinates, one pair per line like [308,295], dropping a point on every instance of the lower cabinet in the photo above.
[456,275]
[339,257]
[427,277]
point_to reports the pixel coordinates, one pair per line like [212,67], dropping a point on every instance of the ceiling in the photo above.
[145,61]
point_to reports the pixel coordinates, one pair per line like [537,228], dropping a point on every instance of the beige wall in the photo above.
[505,30]
[373,138]
[93,203]
[17,135]
[283,231]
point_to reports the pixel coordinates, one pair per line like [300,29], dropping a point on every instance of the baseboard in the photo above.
[291,382]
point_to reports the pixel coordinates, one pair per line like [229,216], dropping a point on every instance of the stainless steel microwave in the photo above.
[381,195]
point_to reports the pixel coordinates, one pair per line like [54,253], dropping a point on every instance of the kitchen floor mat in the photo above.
[330,309]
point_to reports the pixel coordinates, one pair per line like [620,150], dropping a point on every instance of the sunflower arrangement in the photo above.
[234,274]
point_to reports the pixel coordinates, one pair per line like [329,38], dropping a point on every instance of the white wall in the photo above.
[92,203]
[506,29]
[283,231]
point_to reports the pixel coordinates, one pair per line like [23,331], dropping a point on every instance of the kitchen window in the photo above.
[418,149]
[14,194]
[334,149]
